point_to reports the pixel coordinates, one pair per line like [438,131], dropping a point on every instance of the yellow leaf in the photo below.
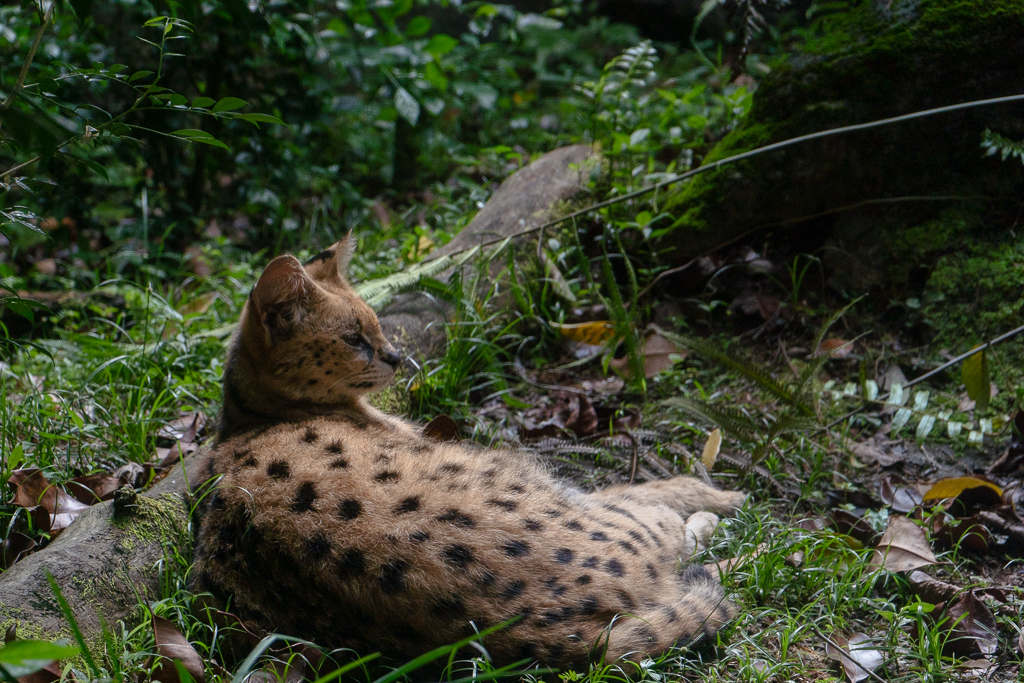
[975,377]
[593,333]
[711,449]
[951,487]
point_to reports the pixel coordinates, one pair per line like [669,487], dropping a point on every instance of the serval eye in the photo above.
[354,340]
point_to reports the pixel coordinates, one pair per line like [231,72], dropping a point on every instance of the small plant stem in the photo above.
[931,373]
[20,83]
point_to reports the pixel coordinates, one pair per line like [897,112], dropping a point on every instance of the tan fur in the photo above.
[340,524]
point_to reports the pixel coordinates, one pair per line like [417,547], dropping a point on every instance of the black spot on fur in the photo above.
[279,470]
[312,382]
[318,548]
[584,579]
[513,590]
[449,607]
[635,535]
[248,462]
[349,509]
[589,606]
[217,501]
[526,650]
[673,616]
[564,555]
[339,464]
[241,453]
[652,572]
[490,474]
[553,513]
[532,525]
[392,576]
[627,600]
[515,488]
[310,435]
[599,536]
[305,497]
[628,547]
[419,536]
[590,562]
[457,518]
[573,525]
[694,573]
[458,556]
[335,447]
[386,477]
[616,509]
[451,468]
[516,548]
[486,579]
[410,504]
[362,385]
[615,568]
[421,448]
[506,505]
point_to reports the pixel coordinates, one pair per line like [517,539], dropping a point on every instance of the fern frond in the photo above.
[732,420]
[380,292]
[791,423]
[756,373]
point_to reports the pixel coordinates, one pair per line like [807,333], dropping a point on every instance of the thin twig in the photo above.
[20,83]
[754,152]
[842,653]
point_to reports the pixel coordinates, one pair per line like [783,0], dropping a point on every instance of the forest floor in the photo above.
[868,540]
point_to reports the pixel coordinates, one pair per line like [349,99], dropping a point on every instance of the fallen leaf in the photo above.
[582,420]
[717,569]
[853,526]
[93,488]
[903,547]
[176,648]
[951,487]
[658,354]
[972,628]
[1013,458]
[593,333]
[837,348]
[856,655]
[899,498]
[13,547]
[185,444]
[442,428]
[65,512]
[32,488]
[968,534]
[872,453]
[711,449]
[930,589]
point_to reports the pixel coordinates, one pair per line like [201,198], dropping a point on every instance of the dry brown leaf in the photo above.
[903,547]
[870,452]
[582,418]
[972,628]
[899,498]
[13,547]
[931,589]
[658,352]
[32,488]
[66,511]
[175,647]
[442,428]
[837,348]
[856,655]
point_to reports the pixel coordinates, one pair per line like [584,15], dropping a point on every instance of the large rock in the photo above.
[527,199]
[877,60]
[106,565]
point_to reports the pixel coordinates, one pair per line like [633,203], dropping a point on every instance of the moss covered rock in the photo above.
[876,60]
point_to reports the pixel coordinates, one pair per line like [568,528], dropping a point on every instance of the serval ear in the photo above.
[279,298]
[330,264]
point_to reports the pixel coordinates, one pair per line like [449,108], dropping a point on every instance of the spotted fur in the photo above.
[337,523]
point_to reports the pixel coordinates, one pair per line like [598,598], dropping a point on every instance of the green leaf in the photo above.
[418,26]
[119,129]
[139,75]
[407,106]
[433,73]
[193,135]
[229,104]
[22,658]
[117,68]
[441,44]
[202,102]
[261,118]
[976,379]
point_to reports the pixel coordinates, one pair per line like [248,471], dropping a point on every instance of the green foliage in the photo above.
[24,657]
[994,143]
